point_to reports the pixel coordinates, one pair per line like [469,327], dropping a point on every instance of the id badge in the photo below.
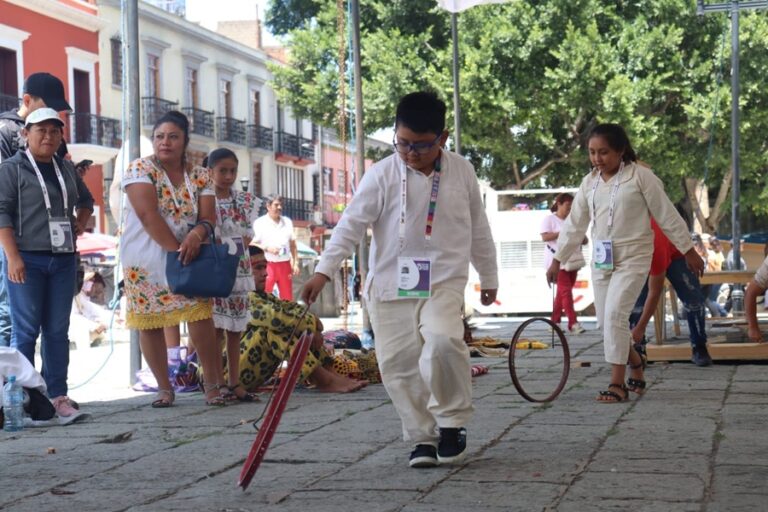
[602,255]
[62,239]
[235,245]
[414,278]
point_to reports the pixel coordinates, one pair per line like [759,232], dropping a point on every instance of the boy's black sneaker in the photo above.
[701,356]
[423,456]
[452,446]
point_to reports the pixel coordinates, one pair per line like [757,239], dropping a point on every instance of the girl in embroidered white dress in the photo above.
[235,213]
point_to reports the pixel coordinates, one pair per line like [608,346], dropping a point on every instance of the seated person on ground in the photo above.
[263,344]
[89,321]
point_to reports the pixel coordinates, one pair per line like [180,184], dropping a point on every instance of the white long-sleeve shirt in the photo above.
[460,234]
[640,195]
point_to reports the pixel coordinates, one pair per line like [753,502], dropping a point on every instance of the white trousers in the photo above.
[615,294]
[424,362]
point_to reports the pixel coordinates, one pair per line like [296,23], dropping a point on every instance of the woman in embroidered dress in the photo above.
[235,213]
[168,199]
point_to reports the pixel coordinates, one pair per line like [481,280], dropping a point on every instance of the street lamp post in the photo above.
[734,6]
[244,181]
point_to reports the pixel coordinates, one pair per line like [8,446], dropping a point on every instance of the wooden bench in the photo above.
[659,318]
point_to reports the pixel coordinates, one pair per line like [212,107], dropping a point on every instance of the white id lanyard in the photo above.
[59,228]
[404,200]
[46,197]
[172,189]
[612,203]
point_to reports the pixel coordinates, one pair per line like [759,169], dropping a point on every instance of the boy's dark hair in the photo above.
[421,112]
[616,138]
[254,250]
[217,155]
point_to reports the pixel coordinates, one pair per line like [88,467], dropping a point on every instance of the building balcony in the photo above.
[153,108]
[85,128]
[260,137]
[200,121]
[231,130]
[292,145]
[297,209]
[8,102]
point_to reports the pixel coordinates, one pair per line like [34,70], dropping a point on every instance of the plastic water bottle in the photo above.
[366,338]
[13,406]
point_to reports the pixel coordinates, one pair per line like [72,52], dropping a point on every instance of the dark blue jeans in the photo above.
[688,288]
[43,303]
[5,311]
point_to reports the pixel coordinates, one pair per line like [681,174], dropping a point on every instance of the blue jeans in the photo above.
[5,310]
[687,287]
[43,303]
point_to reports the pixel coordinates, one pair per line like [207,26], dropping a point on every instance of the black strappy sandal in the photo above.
[614,396]
[636,385]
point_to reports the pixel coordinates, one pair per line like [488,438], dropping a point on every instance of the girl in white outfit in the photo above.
[619,196]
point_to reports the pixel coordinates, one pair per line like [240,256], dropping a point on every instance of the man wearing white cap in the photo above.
[40,90]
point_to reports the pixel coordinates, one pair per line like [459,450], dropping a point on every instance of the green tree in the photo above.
[536,76]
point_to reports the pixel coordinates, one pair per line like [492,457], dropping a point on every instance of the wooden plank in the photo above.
[727,276]
[718,351]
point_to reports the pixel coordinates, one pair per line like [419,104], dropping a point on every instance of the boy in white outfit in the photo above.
[428,221]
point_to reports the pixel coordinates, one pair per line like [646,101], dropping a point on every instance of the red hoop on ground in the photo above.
[275,409]
[536,374]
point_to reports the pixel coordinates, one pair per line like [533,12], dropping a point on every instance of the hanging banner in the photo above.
[463,5]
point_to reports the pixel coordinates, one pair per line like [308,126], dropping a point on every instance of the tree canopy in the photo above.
[536,76]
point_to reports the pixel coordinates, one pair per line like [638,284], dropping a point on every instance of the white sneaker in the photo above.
[576,329]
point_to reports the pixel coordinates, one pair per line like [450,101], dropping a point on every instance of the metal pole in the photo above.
[134,128]
[362,252]
[736,229]
[456,103]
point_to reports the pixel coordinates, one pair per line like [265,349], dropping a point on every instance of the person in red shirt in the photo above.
[669,263]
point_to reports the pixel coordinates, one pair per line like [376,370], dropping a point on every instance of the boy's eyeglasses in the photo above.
[420,148]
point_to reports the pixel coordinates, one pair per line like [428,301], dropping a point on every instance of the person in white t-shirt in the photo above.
[273,232]
[428,222]
[566,278]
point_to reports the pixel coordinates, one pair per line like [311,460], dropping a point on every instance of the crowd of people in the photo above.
[425,211]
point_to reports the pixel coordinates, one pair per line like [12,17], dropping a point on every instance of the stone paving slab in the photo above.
[693,442]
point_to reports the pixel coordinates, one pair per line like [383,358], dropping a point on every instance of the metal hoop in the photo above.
[566,360]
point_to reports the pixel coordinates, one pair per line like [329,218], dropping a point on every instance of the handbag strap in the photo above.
[209,228]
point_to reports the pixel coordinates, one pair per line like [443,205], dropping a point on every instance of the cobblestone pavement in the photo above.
[694,442]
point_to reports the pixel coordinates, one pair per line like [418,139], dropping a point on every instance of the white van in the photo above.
[515,217]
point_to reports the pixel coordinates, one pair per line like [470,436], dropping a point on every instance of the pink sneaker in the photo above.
[63,406]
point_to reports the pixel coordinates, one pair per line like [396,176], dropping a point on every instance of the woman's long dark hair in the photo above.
[616,138]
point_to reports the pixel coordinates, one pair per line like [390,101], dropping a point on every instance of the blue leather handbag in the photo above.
[211,274]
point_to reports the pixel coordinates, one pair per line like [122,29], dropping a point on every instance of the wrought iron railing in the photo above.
[287,144]
[306,149]
[231,130]
[200,121]
[85,128]
[8,102]
[153,108]
[260,137]
[297,209]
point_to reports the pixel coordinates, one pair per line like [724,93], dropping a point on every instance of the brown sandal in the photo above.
[247,395]
[164,399]
[613,397]
[215,401]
